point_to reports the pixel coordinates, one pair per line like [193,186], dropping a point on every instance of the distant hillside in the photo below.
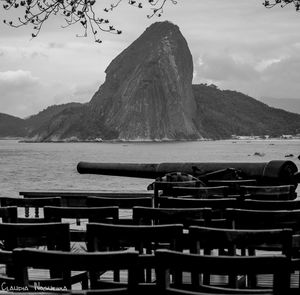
[72,122]
[42,118]
[11,126]
[287,104]
[219,114]
[223,113]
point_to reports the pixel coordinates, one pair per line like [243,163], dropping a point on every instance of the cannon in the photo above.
[275,172]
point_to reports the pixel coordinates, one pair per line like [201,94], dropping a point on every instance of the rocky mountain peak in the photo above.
[147,93]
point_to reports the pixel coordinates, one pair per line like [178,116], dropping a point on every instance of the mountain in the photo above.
[11,126]
[148,95]
[51,121]
[223,113]
[288,104]
[43,117]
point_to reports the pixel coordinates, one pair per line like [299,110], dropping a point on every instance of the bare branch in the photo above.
[37,12]
[282,3]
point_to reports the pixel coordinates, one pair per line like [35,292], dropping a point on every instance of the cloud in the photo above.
[15,80]
[85,91]
[14,54]
[281,78]
[224,68]
[17,89]
[73,92]
[259,76]
[266,63]
[23,94]
[55,45]
[287,68]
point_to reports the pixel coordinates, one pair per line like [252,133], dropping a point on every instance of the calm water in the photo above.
[52,166]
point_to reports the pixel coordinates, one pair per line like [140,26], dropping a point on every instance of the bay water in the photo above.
[52,166]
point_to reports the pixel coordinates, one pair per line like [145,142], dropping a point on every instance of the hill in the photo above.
[11,126]
[223,113]
[287,104]
[69,122]
[147,93]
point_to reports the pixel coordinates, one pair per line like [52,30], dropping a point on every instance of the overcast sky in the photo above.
[236,44]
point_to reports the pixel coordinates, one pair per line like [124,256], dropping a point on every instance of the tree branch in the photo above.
[282,3]
[37,12]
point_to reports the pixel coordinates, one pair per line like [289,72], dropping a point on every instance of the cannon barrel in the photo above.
[273,172]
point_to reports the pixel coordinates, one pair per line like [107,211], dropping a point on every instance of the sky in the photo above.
[235,44]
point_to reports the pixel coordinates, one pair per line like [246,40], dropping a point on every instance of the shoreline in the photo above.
[247,140]
[160,141]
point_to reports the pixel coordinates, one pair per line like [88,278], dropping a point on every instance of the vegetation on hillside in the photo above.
[11,126]
[224,113]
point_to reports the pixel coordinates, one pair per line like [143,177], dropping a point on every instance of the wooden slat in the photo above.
[78,198]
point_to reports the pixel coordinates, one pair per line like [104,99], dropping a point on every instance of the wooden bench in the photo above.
[185,216]
[218,206]
[201,192]
[9,214]
[89,214]
[269,205]
[37,204]
[125,205]
[212,241]
[65,262]
[264,219]
[280,192]
[234,186]
[143,238]
[51,236]
[78,198]
[278,266]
